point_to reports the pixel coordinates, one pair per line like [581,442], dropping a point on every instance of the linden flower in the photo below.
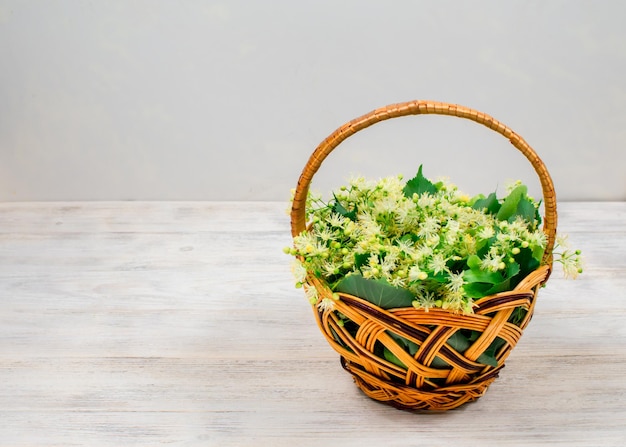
[425,301]
[510,185]
[299,271]
[469,245]
[438,263]
[325,235]
[361,183]
[571,260]
[518,227]
[455,301]
[311,294]
[406,246]
[397,281]
[389,263]
[492,262]
[538,238]
[326,305]
[423,252]
[392,187]
[456,282]
[425,200]
[463,198]
[486,232]
[305,242]
[416,274]
[408,217]
[429,227]
[330,269]
[562,241]
[336,220]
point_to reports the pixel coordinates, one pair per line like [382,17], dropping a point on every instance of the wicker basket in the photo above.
[421,386]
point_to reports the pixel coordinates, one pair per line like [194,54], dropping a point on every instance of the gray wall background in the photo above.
[225,100]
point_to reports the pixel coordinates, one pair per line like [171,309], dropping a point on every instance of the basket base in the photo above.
[412,399]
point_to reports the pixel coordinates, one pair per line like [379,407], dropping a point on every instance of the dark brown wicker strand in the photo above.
[419,385]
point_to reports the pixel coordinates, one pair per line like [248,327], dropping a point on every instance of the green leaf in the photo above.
[480,283]
[528,261]
[489,356]
[538,252]
[511,270]
[500,287]
[459,342]
[409,238]
[473,336]
[475,275]
[509,206]
[440,277]
[476,289]
[408,345]
[405,344]
[360,259]
[490,203]
[518,316]
[484,245]
[419,185]
[377,291]
[473,262]
[390,357]
[342,211]
[526,210]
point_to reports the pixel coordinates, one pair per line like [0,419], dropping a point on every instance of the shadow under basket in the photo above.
[437,376]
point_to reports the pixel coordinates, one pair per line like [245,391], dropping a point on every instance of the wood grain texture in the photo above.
[177,324]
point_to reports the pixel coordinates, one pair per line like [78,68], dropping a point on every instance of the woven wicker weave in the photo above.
[421,386]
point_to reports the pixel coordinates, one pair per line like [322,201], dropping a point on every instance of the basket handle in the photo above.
[419,107]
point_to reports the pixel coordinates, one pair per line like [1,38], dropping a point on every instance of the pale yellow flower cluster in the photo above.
[422,243]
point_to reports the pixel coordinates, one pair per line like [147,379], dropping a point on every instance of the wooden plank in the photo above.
[142,217]
[177,323]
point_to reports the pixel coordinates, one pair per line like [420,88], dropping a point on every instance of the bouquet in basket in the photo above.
[422,289]
[423,244]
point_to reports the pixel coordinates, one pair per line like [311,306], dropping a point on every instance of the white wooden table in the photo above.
[138,323]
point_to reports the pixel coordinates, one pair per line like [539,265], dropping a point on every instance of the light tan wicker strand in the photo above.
[423,384]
